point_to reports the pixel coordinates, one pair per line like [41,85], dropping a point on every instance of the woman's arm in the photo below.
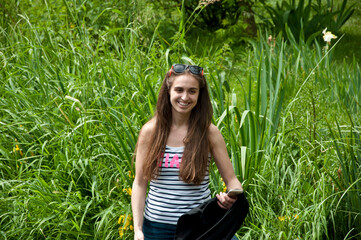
[224,165]
[139,188]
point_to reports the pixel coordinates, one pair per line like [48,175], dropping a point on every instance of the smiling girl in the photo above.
[173,153]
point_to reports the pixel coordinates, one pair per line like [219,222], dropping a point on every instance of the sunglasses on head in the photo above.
[180,68]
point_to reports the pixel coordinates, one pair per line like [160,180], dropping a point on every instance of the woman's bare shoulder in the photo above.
[148,129]
[213,130]
[214,135]
[149,126]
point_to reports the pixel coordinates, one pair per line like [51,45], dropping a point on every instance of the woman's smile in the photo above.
[183,104]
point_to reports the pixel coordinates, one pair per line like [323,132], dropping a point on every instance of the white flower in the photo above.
[207,2]
[327,36]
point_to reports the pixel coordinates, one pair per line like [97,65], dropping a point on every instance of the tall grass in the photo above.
[348,182]
[74,95]
[280,163]
[69,117]
[252,131]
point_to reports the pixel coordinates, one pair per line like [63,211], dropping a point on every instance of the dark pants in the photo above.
[160,231]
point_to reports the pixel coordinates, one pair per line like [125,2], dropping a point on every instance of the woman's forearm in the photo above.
[138,202]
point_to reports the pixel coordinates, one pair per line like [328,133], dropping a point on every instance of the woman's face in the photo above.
[184,94]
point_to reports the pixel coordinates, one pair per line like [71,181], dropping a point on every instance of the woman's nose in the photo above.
[185,96]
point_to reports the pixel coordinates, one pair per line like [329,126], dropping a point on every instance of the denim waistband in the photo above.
[156,231]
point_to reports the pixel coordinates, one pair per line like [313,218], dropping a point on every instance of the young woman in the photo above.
[173,152]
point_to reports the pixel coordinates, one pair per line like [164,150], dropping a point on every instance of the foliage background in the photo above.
[79,79]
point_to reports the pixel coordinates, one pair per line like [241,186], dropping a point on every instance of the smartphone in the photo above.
[234,192]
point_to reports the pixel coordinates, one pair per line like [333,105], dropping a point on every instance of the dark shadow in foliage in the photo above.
[214,15]
[306,20]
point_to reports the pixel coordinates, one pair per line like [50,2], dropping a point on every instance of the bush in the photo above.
[214,15]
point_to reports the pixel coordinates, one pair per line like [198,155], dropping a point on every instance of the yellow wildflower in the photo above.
[121,232]
[121,218]
[296,216]
[128,191]
[281,218]
[223,185]
[125,222]
[16,148]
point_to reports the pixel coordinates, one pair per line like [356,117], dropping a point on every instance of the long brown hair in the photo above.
[197,148]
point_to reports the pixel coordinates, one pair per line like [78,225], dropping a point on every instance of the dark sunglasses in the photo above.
[180,68]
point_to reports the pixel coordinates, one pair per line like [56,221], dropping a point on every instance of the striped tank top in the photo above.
[169,197]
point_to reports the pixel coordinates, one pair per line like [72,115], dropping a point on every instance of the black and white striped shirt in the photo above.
[168,196]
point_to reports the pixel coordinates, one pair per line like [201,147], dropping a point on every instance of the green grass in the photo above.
[77,84]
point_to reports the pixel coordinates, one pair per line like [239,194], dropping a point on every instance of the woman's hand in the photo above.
[225,201]
[138,235]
